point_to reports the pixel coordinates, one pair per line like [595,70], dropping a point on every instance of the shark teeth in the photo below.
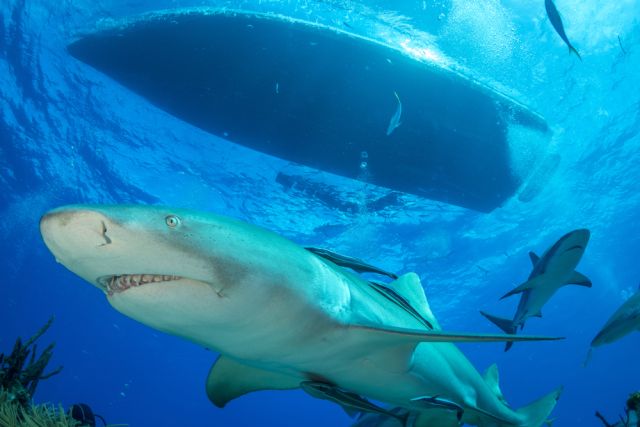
[119,283]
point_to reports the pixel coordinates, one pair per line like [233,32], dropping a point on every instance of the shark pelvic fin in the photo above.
[534,258]
[579,279]
[229,379]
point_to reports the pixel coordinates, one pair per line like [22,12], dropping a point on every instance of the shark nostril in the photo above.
[104,234]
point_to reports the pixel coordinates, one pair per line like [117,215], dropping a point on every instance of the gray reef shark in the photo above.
[553,270]
[279,315]
[623,321]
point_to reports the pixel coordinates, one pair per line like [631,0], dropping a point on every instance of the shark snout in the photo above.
[69,232]
[582,236]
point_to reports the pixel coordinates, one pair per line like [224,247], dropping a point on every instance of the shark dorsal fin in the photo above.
[492,378]
[534,258]
[409,286]
[579,279]
[229,379]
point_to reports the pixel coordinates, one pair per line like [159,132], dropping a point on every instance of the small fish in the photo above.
[379,420]
[352,403]
[556,21]
[349,262]
[395,119]
[277,88]
[440,403]
[624,52]
[481,268]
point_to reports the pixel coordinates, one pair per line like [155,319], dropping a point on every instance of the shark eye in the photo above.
[172,221]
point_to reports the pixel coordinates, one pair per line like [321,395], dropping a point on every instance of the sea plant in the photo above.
[23,368]
[12,414]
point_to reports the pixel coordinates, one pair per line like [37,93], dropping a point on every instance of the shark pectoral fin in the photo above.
[229,379]
[579,279]
[492,379]
[534,258]
[391,336]
[529,284]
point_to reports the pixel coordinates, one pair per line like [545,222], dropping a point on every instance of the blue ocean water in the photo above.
[70,134]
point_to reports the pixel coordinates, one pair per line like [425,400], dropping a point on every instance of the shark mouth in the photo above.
[120,283]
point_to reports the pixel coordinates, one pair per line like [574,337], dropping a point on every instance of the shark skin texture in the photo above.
[553,270]
[278,314]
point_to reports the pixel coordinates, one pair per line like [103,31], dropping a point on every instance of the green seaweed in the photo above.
[23,369]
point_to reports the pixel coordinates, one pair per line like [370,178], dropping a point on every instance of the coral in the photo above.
[633,402]
[20,373]
[20,378]
[12,414]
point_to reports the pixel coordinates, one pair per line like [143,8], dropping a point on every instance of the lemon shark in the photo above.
[553,270]
[279,315]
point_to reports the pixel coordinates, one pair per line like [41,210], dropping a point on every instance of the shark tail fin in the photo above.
[506,325]
[537,413]
[574,50]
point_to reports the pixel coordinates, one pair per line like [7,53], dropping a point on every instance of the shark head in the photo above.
[563,257]
[174,270]
[569,248]
[623,321]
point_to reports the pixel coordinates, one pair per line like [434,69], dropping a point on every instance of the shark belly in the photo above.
[534,299]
